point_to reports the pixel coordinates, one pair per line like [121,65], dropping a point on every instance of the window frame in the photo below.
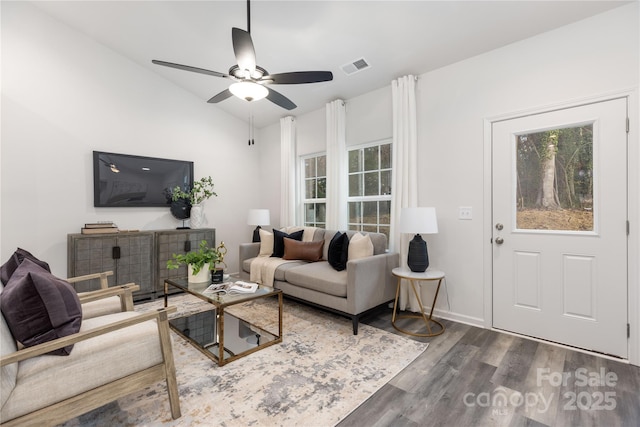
[304,201]
[362,226]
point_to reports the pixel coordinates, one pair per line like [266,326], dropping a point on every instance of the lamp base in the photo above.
[256,234]
[418,257]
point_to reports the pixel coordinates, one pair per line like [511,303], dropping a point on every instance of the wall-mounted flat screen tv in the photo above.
[123,180]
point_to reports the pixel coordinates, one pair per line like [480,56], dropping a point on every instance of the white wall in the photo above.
[63,96]
[589,58]
[586,59]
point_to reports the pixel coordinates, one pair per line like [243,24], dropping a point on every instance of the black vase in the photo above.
[418,258]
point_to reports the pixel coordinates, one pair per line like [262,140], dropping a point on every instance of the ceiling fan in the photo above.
[250,80]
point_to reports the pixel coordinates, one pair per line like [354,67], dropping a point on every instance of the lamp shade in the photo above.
[259,217]
[248,90]
[418,220]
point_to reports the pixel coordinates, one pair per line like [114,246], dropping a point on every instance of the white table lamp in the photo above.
[258,217]
[418,221]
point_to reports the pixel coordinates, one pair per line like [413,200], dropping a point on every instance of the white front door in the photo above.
[560,226]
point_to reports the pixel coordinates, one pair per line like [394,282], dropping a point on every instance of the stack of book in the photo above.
[101,227]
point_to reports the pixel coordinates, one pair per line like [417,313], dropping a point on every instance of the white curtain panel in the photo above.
[288,171]
[404,178]
[336,166]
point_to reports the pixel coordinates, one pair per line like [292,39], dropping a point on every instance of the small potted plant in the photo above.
[198,262]
[201,191]
[217,268]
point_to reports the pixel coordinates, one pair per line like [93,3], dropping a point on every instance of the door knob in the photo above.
[499,240]
[499,226]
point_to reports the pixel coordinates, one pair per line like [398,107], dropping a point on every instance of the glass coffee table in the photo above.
[219,334]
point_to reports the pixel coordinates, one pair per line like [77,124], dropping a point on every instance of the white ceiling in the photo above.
[395,37]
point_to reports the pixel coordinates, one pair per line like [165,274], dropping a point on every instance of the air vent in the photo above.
[355,66]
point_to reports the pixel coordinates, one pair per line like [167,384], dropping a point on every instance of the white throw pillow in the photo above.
[360,246]
[266,243]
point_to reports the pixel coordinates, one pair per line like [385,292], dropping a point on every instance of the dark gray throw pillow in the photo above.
[278,241]
[39,307]
[7,269]
[338,253]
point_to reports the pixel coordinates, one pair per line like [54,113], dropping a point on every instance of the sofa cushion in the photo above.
[281,272]
[278,241]
[7,269]
[40,307]
[306,251]
[319,276]
[338,251]
[360,246]
[93,362]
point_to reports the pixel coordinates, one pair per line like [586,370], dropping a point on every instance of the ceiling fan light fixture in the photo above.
[249,91]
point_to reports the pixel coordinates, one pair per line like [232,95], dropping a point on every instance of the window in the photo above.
[315,191]
[369,200]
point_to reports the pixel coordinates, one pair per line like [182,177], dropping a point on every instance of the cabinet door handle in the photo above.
[115,252]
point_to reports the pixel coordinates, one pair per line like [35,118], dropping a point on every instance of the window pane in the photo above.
[355,161]
[309,212]
[355,185]
[322,166]
[385,156]
[370,228]
[371,187]
[309,168]
[354,227]
[310,189]
[371,158]
[384,212]
[370,212]
[321,212]
[354,212]
[555,179]
[385,182]
[322,188]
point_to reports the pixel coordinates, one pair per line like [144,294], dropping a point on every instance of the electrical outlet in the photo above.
[465,212]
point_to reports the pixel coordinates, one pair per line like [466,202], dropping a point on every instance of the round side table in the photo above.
[413,277]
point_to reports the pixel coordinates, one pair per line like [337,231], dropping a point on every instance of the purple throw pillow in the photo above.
[7,269]
[39,307]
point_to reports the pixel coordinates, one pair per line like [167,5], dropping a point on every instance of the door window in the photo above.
[554,185]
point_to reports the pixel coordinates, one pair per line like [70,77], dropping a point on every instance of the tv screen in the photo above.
[123,180]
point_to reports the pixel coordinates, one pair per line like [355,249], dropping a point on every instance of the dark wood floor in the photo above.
[470,376]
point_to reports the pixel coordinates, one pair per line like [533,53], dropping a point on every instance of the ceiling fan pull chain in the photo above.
[248,16]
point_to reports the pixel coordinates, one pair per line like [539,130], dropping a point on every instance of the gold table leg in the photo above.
[422,315]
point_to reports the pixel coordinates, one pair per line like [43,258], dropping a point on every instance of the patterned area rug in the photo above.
[315,377]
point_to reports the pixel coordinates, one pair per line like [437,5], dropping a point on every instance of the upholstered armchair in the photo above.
[113,355]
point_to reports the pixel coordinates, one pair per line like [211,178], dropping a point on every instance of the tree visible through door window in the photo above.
[555,179]
[369,199]
[315,191]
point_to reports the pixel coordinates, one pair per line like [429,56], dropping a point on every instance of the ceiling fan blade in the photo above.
[298,77]
[220,97]
[281,100]
[243,48]
[189,68]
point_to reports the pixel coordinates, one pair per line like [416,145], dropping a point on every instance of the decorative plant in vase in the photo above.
[217,269]
[201,191]
[199,262]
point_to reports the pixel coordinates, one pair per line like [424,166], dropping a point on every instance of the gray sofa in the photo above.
[365,284]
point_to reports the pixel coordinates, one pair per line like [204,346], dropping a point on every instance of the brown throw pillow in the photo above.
[39,307]
[306,251]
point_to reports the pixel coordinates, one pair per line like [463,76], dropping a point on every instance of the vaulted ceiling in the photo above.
[395,37]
